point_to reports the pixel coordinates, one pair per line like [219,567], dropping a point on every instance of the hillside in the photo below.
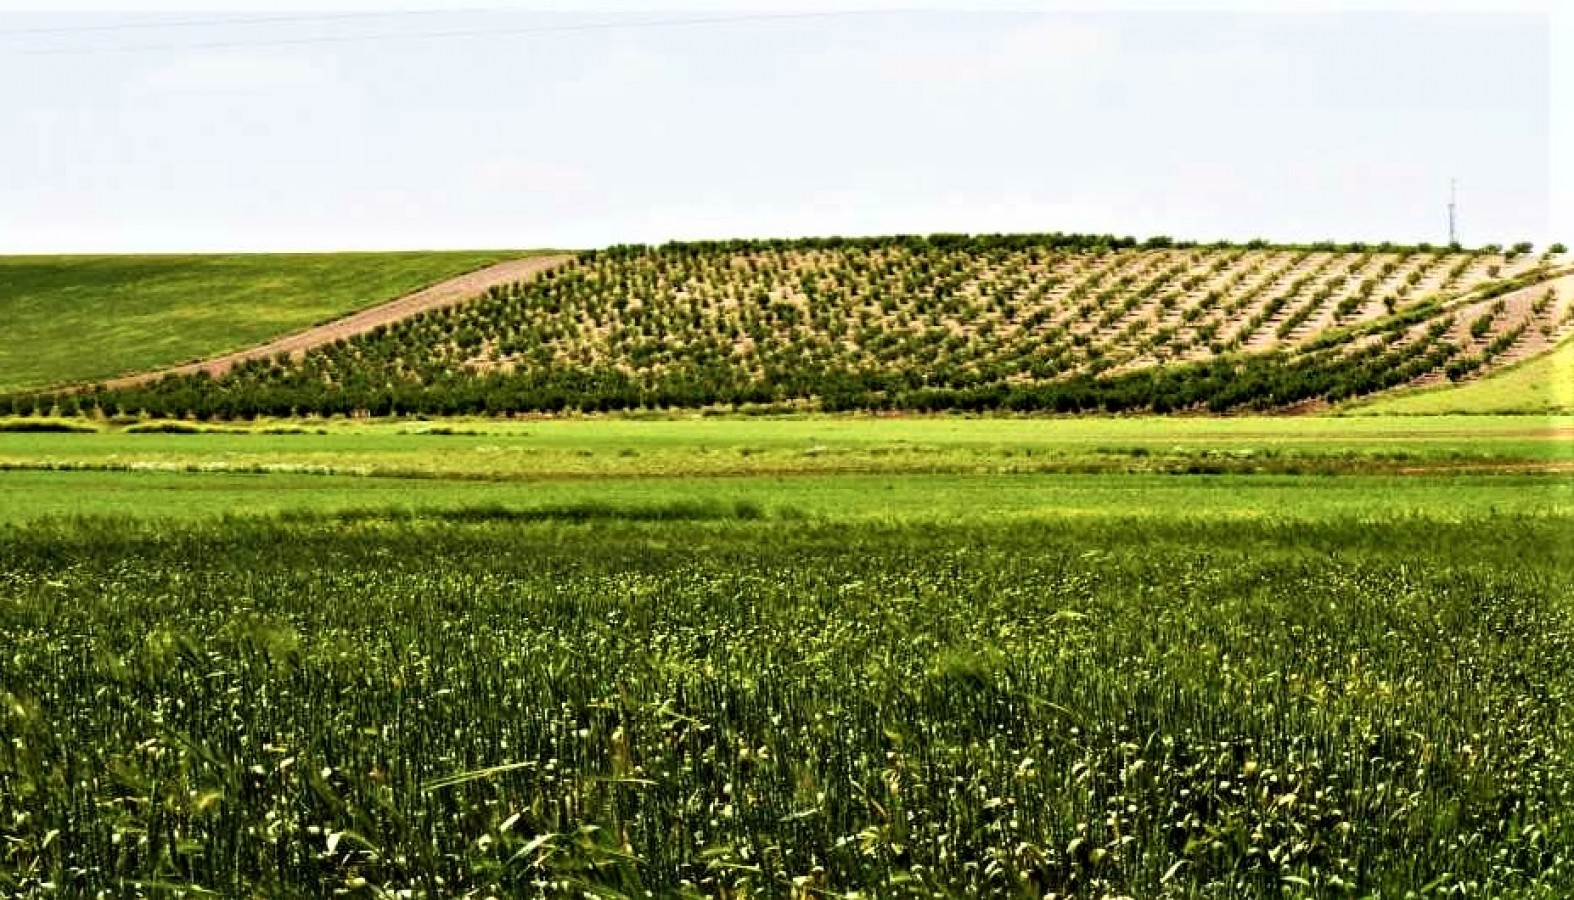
[1031,322]
[1543,385]
[72,319]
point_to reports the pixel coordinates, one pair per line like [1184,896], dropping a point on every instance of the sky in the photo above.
[322,129]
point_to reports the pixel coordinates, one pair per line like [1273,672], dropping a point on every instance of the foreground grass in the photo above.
[1542,385]
[1151,707]
[72,319]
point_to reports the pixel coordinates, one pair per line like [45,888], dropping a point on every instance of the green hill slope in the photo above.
[1063,323]
[72,319]
[1543,385]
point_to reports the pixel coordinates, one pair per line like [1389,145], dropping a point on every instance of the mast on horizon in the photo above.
[1453,211]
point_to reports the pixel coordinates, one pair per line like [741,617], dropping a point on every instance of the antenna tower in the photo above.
[1453,211]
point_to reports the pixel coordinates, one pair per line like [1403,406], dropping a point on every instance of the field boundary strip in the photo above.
[443,294]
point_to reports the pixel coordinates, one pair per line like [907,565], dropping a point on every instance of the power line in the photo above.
[443,35]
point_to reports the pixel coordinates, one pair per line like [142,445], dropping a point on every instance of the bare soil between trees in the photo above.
[443,294]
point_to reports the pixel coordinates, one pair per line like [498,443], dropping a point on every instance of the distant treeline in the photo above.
[1054,240]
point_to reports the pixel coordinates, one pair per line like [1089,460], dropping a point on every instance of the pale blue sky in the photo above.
[308,134]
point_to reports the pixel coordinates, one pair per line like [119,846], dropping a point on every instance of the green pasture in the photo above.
[817,466]
[71,319]
[613,446]
[155,495]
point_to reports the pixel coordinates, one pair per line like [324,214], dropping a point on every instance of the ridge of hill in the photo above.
[1020,322]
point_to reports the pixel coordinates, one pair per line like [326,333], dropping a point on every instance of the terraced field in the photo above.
[1035,322]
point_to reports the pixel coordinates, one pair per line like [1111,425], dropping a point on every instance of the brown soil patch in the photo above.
[442,294]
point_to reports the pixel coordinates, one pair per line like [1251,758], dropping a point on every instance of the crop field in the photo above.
[592,446]
[971,656]
[145,312]
[1020,322]
[164,494]
[491,706]
[804,466]
[796,554]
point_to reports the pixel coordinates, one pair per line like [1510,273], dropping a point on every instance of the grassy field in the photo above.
[71,319]
[1105,706]
[804,656]
[579,447]
[1543,385]
[814,466]
[154,495]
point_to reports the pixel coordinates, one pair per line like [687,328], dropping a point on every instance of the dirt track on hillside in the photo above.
[444,293]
